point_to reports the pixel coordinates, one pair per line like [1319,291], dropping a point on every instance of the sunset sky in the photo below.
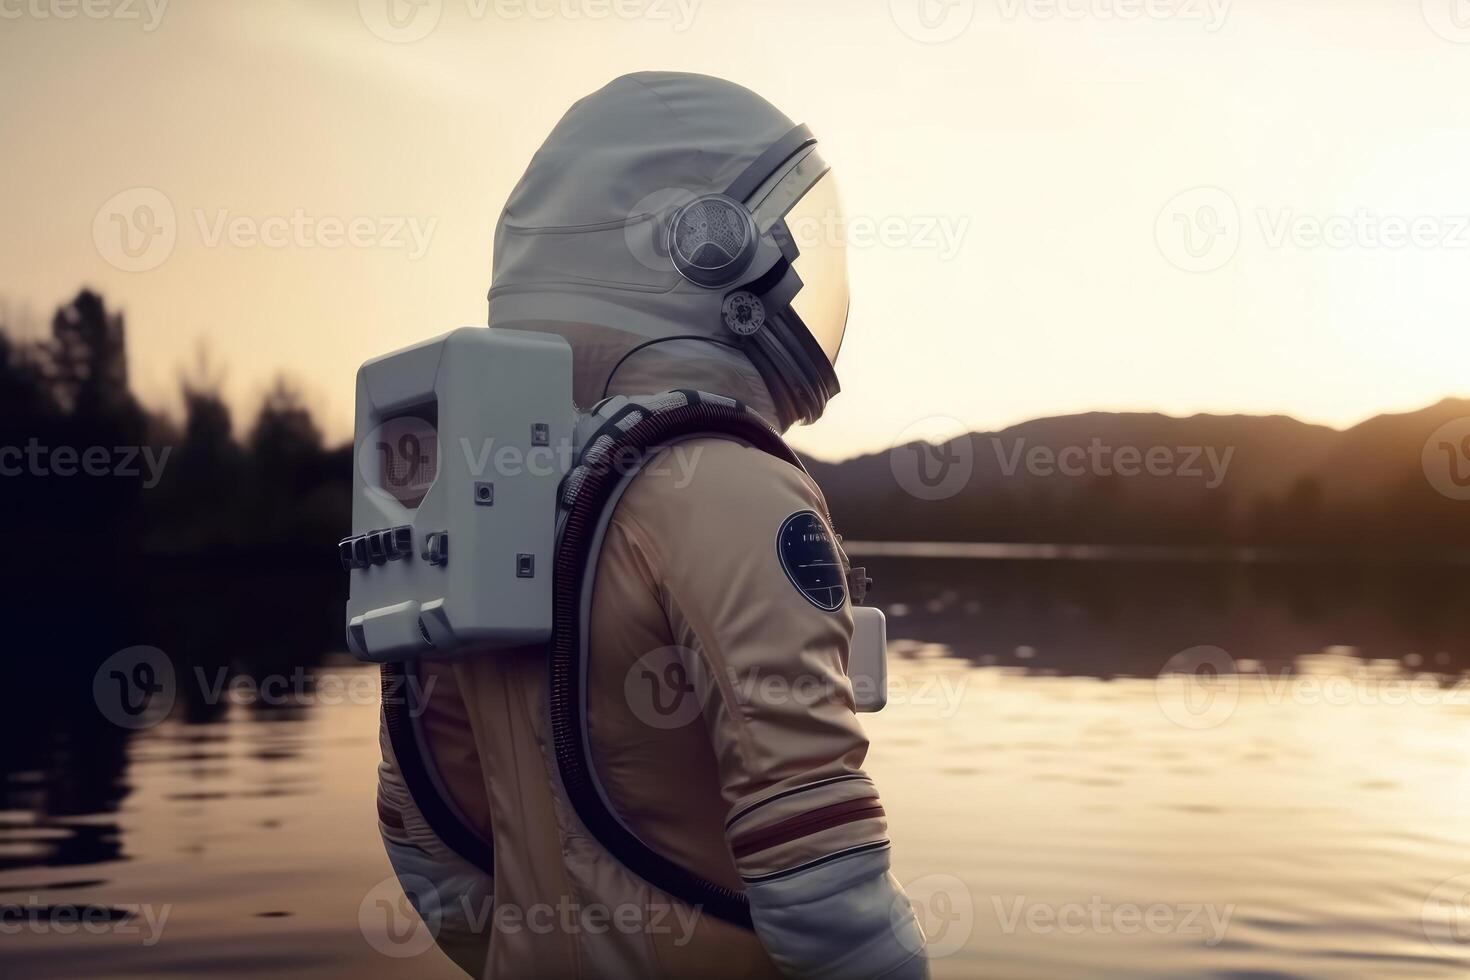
[1185,205]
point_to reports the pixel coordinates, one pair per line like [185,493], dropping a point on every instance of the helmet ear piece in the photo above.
[744,313]
[712,240]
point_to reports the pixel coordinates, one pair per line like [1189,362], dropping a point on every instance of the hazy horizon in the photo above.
[1222,208]
[33,328]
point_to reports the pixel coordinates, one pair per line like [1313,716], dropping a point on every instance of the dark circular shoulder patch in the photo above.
[810,559]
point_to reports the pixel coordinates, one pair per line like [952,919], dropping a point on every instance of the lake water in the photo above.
[1292,798]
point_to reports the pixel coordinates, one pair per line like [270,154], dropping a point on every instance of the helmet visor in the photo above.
[818,229]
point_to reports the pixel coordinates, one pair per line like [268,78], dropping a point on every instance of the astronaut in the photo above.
[683,236]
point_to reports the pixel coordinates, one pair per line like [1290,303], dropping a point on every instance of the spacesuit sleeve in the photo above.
[806,826]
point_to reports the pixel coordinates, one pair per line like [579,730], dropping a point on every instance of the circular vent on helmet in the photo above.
[712,240]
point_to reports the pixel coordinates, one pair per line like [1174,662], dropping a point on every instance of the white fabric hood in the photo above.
[574,247]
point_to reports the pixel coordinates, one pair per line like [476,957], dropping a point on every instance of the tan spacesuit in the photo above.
[715,700]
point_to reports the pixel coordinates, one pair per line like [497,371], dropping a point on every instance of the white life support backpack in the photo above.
[480,503]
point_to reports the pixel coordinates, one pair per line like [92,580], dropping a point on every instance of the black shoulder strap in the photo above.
[595,491]
[413,766]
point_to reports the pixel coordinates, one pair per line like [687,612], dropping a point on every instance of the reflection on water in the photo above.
[1296,837]
[1293,804]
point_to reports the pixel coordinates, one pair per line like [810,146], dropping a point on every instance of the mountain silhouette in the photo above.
[1130,478]
[1150,478]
